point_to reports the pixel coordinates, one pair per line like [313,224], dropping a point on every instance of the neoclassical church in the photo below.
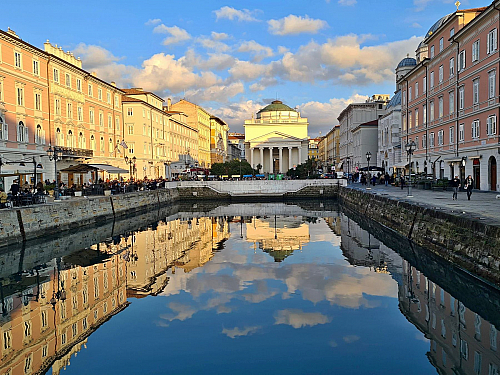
[276,138]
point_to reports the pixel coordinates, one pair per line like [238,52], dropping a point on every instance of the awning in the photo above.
[109,168]
[20,169]
[79,168]
[475,157]
[453,160]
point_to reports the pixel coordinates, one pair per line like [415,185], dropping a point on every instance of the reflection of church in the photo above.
[278,236]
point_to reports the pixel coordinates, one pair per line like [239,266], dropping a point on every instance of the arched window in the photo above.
[22,133]
[92,142]
[71,139]
[39,135]
[111,146]
[81,141]
[59,138]
[4,129]
[102,145]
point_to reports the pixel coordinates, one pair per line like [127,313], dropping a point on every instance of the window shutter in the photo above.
[488,50]
[5,131]
[19,133]
[26,139]
[494,47]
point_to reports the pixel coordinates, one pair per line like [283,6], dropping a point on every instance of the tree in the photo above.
[304,170]
[233,167]
[259,167]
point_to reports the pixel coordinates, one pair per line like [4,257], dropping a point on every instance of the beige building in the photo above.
[276,138]
[322,150]
[218,140]
[199,119]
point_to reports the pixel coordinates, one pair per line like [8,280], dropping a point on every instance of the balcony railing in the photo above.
[79,152]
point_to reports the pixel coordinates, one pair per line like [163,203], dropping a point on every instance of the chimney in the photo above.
[169,103]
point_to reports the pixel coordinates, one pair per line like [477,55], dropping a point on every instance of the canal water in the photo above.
[242,289]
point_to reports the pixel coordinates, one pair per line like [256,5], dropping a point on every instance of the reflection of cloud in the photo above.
[236,332]
[223,309]
[159,323]
[333,344]
[350,338]
[299,318]
[183,312]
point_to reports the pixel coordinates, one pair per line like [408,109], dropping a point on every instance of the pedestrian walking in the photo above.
[455,184]
[469,184]
[402,182]
[386,179]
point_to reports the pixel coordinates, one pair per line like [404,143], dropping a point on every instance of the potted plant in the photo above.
[78,191]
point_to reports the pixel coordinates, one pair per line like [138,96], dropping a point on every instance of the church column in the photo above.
[290,165]
[281,159]
[261,162]
[271,161]
[251,157]
[300,153]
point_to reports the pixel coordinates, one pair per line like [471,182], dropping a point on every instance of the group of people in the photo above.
[373,179]
[17,194]
[468,186]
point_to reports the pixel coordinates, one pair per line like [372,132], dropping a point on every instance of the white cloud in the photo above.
[219,36]
[296,25]
[209,43]
[282,50]
[215,61]
[154,21]
[177,35]
[235,114]
[215,93]
[237,332]
[299,318]
[416,25]
[232,14]
[347,2]
[258,51]
[420,4]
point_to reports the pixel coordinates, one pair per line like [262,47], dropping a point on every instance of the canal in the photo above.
[266,288]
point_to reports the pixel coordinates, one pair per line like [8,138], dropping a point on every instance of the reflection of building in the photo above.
[278,236]
[276,138]
[47,319]
[362,249]
[334,223]
[461,342]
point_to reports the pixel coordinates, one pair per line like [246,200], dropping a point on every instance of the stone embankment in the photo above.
[27,223]
[466,242]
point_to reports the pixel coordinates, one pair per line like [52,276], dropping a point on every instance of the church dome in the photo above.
[407,61]
[438,24]
[276,105]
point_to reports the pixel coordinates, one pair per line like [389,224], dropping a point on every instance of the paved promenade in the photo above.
[483,206]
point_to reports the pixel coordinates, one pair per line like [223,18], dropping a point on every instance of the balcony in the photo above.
[76,152]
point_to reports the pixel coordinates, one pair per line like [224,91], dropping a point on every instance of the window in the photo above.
[79,84]
[39,135]
[27,328]
[7,340]
[432,80]
[431,139]
[117,123]
[101,118]
[475,51]
[38,101]
[17,59]
[108,97]
[110,122]
[80,113]
[441,44]
[59,138]
[56,75]
[477,362]
[491,125]
[441,74]
[452,135]
[99,93]
[475,129]
[404,97]
[57,106]
[461,60]
[90,90]
[424,114]
[461,133]
[493,369]
[131,129]
[143,112]
[68,80]
[416,90]
[20,96]
[69,110]
[117,101]
[92,142]
[432,51]
[452,32]
[424,85]
[452,67]
[475,91]
[70,143]
[102,151]
[410,120]
[424,141]
[416,117]
[409,94]
[461,97]
[491,84]
[451,102]
[36,67]
[111,147]
[431,114]
[4,130]
[91,116]
[440,137]
[82,143]
[130,147]
[491,41]
[440,101]
[130,111]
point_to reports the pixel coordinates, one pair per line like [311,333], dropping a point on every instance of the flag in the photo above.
[123,144]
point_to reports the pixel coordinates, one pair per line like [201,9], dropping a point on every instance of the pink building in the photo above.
[450,99]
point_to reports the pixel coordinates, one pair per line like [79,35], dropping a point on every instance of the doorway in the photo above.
[476,173]
[493,173]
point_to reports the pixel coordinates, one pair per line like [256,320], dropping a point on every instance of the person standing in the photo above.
[402,182]
[455,183]
[469,184]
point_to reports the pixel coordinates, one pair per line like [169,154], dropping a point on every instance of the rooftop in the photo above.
[277,105]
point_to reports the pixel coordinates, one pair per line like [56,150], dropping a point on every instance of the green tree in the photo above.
[233,167]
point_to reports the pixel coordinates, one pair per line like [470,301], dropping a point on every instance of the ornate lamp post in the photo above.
[368,157]
[410,149]
[131,163]
[347,159]
[55,154]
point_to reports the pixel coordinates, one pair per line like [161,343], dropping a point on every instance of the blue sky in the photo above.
[234,57]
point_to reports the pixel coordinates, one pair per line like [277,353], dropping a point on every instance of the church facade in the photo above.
[276,138]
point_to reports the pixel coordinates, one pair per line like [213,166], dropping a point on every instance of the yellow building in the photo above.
[218,140]
[199,119]
[322,150]
[276,138]
[314,148]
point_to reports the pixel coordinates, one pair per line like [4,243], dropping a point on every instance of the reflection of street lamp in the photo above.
[167,163]
[55,154]
[368,157]
[410,148]
[348,159]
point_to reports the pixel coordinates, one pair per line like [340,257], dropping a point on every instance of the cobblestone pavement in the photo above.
[483,206]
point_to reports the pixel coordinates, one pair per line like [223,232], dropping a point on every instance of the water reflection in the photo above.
[245,285]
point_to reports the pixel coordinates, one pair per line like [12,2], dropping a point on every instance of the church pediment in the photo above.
[275,137]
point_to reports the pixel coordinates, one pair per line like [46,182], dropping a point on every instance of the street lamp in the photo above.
[410,148]
[131,163]
[368,157]
[348,159]
[55,154]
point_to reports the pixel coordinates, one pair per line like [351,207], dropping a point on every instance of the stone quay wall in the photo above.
[466,242]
